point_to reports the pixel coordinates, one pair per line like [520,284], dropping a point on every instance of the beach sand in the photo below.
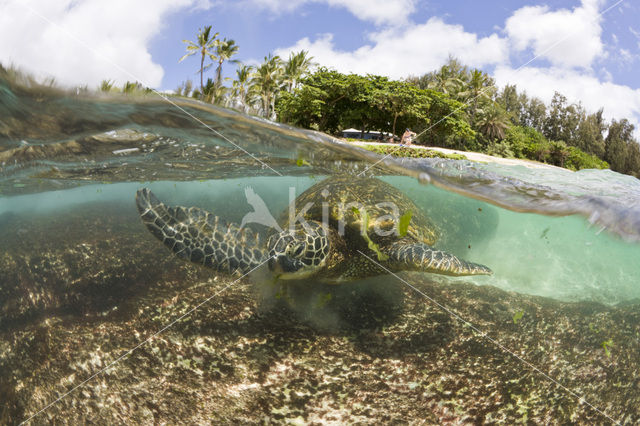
[473,156]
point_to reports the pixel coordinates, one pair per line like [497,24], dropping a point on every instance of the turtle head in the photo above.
[298,252]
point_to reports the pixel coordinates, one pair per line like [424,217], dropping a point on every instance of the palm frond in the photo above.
[186,56]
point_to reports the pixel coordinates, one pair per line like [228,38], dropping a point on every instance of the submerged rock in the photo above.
[80,291]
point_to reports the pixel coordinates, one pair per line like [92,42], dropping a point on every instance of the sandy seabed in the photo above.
[79,290]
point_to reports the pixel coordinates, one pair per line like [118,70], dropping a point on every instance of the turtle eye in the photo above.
[295,249]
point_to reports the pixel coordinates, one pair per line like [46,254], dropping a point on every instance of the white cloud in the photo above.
[617,100]
[378,11]
[636,35]
[567,38]
[118,32]
[388,12]
[413,50]
[626,56]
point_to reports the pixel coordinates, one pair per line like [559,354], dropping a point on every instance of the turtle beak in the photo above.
[281,265]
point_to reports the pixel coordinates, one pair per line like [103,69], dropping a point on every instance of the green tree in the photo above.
[493,122]
[518,139]
[449,79]
[241,86]
[184,88]
[511,102]
[345,100]
[578,160]
[225,50]
[106,86]
[563,120]
[399,99]
[619,138]
[537,147]
[131,87]
[295,68]
[479,89]
[331,101]
[205,44]
[534,113]
[267,81]
[558,153]
[304,108]
[446,82]
[207,93]
[214,93]
[590,134]
[632,164]
[447,126]
[219,95]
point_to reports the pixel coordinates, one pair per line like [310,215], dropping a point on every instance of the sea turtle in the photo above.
[333,224]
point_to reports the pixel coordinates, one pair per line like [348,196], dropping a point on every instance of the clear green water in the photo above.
[560,257]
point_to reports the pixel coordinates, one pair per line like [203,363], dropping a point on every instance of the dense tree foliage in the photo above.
[461,108]
[578,139]
[331,101]
[454,107]
[621,150]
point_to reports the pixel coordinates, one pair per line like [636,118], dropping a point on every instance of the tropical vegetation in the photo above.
[204,45]
[452,107]
[411,152]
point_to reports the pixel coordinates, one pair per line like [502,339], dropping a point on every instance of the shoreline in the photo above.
[470,155]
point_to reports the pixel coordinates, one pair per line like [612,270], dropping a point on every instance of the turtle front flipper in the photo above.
[412,256]
[197,235]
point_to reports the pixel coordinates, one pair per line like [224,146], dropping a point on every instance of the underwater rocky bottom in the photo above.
[80,289]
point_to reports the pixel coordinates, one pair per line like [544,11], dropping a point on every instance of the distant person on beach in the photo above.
[407,138]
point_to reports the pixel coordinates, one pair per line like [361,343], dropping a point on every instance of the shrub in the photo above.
[500,149]
[579,159]
[524,142]
[398,151]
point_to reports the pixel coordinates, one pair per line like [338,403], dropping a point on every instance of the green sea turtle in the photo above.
[334,221]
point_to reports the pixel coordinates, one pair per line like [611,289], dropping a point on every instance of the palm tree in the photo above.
[225,49]
[493,122]
[480,86]
[204,45]
[240,89]
[131,87]
[449,79]
[106,85]
[266,81]
[218,94]
[297,66]
[207,91]
[449,85]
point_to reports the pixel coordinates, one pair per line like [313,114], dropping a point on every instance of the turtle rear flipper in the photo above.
[411,256]
[199,236]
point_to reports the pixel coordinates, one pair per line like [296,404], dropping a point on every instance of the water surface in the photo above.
[564,248]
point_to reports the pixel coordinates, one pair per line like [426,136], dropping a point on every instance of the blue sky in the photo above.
[85,41]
